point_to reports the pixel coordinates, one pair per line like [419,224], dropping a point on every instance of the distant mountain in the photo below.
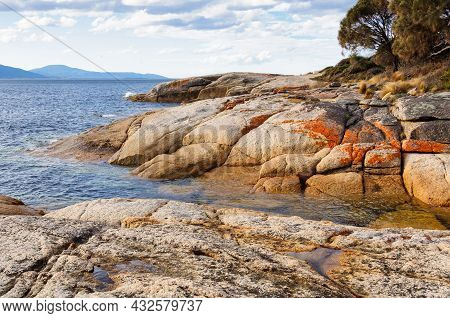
[16,73]
[65,72]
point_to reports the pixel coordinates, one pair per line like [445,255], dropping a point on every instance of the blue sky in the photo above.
[173,37]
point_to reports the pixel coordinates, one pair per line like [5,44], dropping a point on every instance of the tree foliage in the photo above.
[368,25]
[421,27]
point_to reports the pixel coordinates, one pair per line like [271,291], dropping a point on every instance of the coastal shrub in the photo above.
[368,26]
[352,68]
[445,80]
[421,28]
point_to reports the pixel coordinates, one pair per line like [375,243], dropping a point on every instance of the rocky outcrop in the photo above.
[99,143]
[347,185]
[286,130]
[427,177]
[154,248]
[205,87]
[432,106]
[162,132]
[11,206]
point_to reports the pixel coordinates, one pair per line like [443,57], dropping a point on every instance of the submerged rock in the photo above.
[186,250]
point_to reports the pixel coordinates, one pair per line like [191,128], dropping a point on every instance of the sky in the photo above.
[172,37]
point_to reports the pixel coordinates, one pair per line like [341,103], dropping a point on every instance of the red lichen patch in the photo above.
[363,133]
[390,134]
[350,136]
[376,159]
[255,122]
[381,155]
[347,158]
[359,152]
[233,103]
[330,132]
[424,146]
[317,129]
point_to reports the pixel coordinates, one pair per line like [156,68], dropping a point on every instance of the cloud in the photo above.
[240,58]
[45,21]
[7,35]
[38,37]
[214,48]
[216,34]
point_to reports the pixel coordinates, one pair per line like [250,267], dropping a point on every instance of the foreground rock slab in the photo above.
[176,249]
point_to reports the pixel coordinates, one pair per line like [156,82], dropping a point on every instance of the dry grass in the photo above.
[362,87]
[403,87]
[423,78]
[398,76]
[369,93]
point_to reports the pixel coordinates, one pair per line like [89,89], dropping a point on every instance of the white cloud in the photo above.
[214,48]
[213,35]
[67,22]
[168,51]
[240,58]
[30,22]
[38,37]
[45,21]
[7,35]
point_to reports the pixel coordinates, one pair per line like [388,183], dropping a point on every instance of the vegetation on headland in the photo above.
[409,41]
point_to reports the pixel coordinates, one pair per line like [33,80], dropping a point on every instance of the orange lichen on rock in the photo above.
[347,160]
[376,159]
[391,135]
[359,151]
[233,103]
[329,131]
[363,132]
[426,146]
[255,122]
[350,136]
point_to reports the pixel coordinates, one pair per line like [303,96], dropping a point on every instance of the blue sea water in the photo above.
[33,113]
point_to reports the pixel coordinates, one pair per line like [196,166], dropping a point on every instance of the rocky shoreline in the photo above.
[277,134]
[159,248]
[283,134]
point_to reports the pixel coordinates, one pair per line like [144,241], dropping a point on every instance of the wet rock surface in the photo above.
[287,129]
[176,249]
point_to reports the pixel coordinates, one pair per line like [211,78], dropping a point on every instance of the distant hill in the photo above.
[16,73]
[65,72]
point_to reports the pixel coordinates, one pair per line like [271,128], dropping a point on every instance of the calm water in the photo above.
[35,113]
